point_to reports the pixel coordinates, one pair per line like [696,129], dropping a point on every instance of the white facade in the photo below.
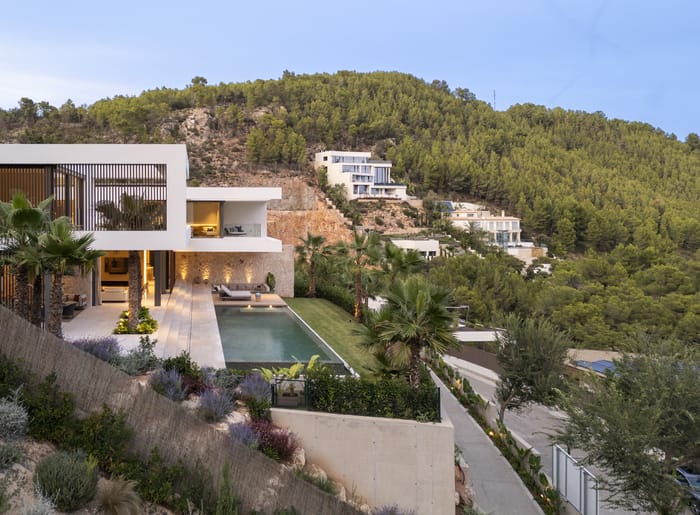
[361,176]
[500,229]
[428,249]
[237,206]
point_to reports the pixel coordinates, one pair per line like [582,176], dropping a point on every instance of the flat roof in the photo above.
[91,153]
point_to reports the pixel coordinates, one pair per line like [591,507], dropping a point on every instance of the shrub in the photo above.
[13,417]
[67,478]
[226,502]
[168,383]
[214,405]
[227,380]
[254,386]
[42,505]
[119,497]
[147,324]
[141,359]
[105,436]
[244,433]
[11,377]
[105,348]
[157,480]
[9,455]
[51,413]
[276,443]
[259,409]
[184,364]
[392,510]
[192,377]
[323,483]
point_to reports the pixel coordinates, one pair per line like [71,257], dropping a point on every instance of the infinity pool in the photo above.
[268,337]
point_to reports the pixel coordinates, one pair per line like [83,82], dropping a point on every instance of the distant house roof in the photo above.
[601,366]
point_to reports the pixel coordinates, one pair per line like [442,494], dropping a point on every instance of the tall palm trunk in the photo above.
[53,325]
[21,296]
[37,291]
[414,366]
[312,277]
[358,294]
[134,264]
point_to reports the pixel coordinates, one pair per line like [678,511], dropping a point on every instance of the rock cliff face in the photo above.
[289,226]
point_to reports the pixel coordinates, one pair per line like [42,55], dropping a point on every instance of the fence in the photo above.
[261,483]
[576,484]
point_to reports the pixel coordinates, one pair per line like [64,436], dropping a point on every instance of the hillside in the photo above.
[577,179]
[620,198]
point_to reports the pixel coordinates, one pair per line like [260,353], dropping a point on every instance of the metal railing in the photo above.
[574,482]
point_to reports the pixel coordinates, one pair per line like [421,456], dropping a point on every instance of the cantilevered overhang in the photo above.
[238,244]
[233,194]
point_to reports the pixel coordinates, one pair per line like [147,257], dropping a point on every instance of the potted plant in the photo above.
[270,280]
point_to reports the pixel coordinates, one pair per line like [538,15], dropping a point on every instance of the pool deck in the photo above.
[186,322]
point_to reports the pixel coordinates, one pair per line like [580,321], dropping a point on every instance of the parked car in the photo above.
[690,481]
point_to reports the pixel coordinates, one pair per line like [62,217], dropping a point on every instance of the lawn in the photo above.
[337,328]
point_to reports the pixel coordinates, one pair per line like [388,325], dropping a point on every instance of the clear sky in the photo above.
[635,60]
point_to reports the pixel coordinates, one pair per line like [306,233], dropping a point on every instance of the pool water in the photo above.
[267,336]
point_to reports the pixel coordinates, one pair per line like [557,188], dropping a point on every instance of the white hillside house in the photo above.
[362,177]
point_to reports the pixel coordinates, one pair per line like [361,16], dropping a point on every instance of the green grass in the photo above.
[337,328]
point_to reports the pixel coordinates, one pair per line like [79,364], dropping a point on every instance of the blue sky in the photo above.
[635,60]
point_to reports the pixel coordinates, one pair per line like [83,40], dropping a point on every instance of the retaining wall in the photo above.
[386,461]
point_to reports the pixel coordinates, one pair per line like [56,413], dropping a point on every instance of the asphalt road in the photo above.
[533,424]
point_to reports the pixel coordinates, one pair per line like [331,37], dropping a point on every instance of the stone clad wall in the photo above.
[244,267]
[261,483]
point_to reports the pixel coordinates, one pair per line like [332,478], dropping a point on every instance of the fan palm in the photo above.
[361,252]
[132,213]
[20,226]
[398,262]
[310,251]
[62,251]
[414,318]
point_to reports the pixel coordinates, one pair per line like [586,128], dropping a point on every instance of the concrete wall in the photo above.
[387,461]
[219,267]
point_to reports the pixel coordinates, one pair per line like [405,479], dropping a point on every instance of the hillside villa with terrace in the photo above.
[198,237]
[363,178]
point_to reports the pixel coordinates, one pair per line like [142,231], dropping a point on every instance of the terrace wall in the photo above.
[260,482]
[387,461]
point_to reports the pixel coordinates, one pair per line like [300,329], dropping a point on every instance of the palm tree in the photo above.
[20,226]
[398,262]
[132,213]
[415,318]
[309,252]
[62,251]
[361,252]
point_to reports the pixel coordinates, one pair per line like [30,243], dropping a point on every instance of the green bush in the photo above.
[390,398]
[9,455]
[11,377]
[141,359]
[68,478]
[184,364]
[147,324]
[105,436]
[338,295]
[157,480]
[51,413]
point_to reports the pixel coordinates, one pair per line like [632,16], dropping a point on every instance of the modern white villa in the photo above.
[363,177]
[427,248]
[500,229]
[198,235]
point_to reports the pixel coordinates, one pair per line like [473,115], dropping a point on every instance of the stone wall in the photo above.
[243,267]
[290,226]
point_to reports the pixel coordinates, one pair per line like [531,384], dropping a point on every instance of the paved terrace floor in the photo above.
[186,321]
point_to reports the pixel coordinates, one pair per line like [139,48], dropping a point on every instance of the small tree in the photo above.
[532,354]
[638,423]
[310,251]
